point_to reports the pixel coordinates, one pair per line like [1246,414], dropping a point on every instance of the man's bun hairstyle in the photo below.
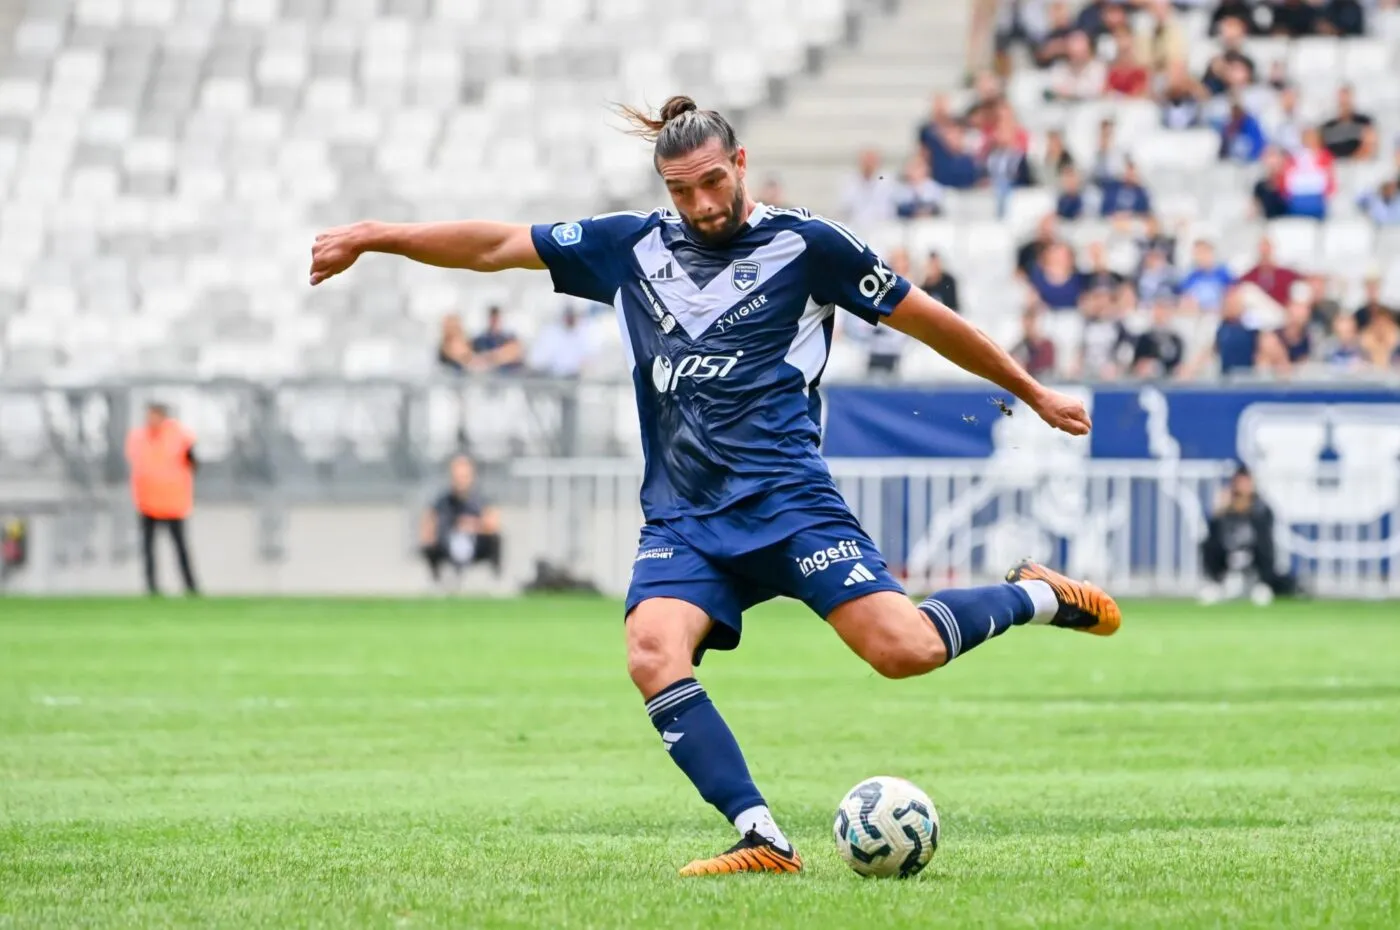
[680,127]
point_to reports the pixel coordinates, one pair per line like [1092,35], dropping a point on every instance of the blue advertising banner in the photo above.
[1136,492]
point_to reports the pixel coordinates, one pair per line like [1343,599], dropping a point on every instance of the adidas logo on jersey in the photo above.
[665,273]
[859,574]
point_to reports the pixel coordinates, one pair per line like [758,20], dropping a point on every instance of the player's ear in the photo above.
[741,162]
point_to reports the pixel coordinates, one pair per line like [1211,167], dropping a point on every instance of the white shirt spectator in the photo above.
[561,349]
[869,202]
[1085,82]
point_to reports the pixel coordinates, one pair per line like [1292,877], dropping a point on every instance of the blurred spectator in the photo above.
[772,192]
[1080,76]
[1344,18]
[1070,203]
[1316,292]
[868,200]
[1208,280]
[1294,341]
[1109,159]
[950,162]
[1156,278]
[1053,46]
[1097,18]
[1035,351]
[1349,134]
[562,349]
[1028,255]
[1024,21]
[1285,128]
[1241,136]
[1238,551]
[1158,351]
[1054,279]
[918,194]
[1105,343]
[1309,178]
[939,283]
[496,349]
[454,352]
[1218,77]
[1382,205]
[1372,302]
[1270,201]
[1235,345]
[1294,18]
[1240,10]
[1380,340]
[1181,98]
[1269,277]
[1163,41]
[1278,75]
[1127,75]
[1099,276]
[1154,237]
[1006,164]
[987,104]
[1343,349]
[458,529]
[1054,159]
[1125,195]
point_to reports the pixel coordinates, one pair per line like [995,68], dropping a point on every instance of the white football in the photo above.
[886,827]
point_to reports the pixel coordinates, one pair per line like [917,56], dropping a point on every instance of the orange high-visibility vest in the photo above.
[162,482]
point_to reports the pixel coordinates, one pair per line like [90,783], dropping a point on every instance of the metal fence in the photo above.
[1134,525]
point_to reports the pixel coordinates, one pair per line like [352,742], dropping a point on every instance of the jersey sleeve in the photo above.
[847,272]
[586,258]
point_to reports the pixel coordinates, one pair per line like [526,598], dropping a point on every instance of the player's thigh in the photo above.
[678,605]
[890,633]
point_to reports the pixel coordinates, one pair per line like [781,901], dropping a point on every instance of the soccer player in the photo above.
[726,308]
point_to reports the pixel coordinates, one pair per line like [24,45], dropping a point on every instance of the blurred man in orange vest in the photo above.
[161,456]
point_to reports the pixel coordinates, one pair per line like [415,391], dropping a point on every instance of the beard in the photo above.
[721,228]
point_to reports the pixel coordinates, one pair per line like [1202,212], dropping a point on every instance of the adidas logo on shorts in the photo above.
[859,574]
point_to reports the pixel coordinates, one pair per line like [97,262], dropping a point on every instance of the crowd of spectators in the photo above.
[567,347]
[1163,308]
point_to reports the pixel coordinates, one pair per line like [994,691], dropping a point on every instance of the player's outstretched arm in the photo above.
[474,245]
[925,319]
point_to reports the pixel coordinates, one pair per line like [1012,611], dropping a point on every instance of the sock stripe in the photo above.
[943,619]
[668,699]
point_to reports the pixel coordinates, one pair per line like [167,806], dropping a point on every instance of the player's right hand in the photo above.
[336,250]
[1063,412]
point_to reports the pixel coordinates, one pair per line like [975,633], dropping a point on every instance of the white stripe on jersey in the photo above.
[846,234]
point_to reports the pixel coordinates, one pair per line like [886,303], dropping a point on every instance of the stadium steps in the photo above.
[869,95]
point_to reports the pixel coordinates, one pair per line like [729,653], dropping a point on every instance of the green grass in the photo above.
[465,764]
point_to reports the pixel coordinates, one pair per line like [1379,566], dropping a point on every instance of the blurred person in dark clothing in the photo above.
[1126,195]
[939,284]
[1216,79]
[1295,18]
[1099,275]
[496,348]
[1159,350]
[1028,255]
[1035,351]
[459,530]
[1070,204]
[1054,45]
[1270,199]
[1343,349]
[1349,134]
[918,194]
[1156,277]
[1372,300]
[1239,546]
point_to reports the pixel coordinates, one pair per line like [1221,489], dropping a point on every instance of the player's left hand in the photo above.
[1063,412]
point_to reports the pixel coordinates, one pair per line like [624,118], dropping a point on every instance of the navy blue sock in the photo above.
[968,617]
[699,741]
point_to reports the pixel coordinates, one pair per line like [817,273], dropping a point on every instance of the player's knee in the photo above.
[654,660]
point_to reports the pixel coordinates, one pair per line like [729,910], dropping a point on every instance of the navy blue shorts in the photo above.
[805,544]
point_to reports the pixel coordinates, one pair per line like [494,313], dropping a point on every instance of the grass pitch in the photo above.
[486,764]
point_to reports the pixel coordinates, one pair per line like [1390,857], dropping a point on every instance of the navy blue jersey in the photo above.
[726,343]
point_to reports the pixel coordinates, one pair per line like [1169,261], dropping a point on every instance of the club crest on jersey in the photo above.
[745,275]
